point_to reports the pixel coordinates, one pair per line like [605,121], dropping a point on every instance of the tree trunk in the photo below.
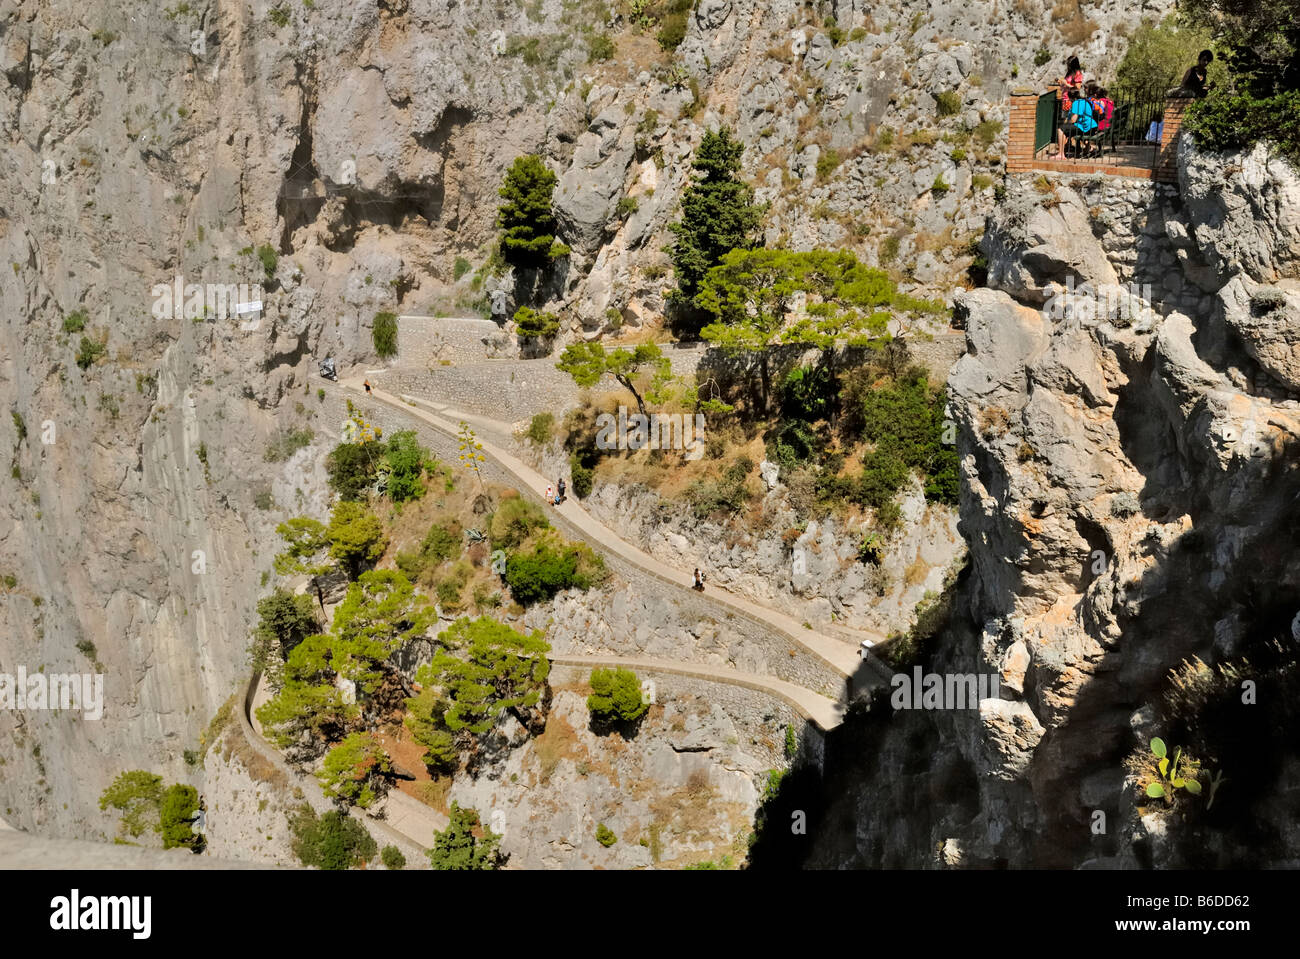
[640,403]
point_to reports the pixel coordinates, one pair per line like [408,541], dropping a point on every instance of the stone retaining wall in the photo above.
[425,341]
[508,389]
[760,716]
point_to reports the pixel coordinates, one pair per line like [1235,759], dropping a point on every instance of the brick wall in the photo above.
[1020,131]
[1167,162]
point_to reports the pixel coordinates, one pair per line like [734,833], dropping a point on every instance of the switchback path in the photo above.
[839,655]
[822,710]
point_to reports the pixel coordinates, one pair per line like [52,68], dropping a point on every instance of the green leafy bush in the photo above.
[74,322]
[1224,121]
[461,267]
[355,770]
[406,461]
[537,575]
[582,476]
[180,804]
[457,846]
[600,47]
[392,858]
[442,543]
[616,696]
[270,259]
[138,795]
[828,161]
[605,836]
[718,212]
[352,468]
[334,841]
[728,495]
[384,334]
[514,521]
[541,428]
[536,324]
[89,352]
[672,29]
[986,131]
[947,103]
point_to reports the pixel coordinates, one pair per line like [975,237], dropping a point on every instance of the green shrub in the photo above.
[605,836]
[947,103]
[458,846]
[582,476]
[137,794]
[541,428]
[600,47]
[89,352]
[828,162]
[940,186]
[1156,56]
[441,543]
[729,494]
[462,267]
[616,696]
[384,334]
[889,249]
[514,521]
[180,804]
[672,29]
[406,460]
[352,468]
[1041,56]
[536,576]
[525,218]
[626,207]
[334,841]
[536,324]
[287,442]
[1224,121]
[354,770]
[266,253]
[883,475]
[392,858]
[791,743]
[74,322]
[986,131]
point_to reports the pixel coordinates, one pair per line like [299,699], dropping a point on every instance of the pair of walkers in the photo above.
[556,497]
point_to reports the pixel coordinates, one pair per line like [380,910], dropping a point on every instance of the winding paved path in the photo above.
[822,710]
[842,657]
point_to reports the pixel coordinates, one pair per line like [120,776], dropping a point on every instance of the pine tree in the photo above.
[526,220]
[616,696]
[718,213]
[456,847]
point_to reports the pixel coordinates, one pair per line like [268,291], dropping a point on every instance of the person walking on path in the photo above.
[550,501]
[699,580]
[559,489]
[366,384]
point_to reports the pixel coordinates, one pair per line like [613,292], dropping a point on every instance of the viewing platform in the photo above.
[1140,142]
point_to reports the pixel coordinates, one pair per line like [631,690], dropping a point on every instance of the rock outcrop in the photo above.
[1128,496]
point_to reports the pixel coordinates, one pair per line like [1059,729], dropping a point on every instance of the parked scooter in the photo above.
[327,369]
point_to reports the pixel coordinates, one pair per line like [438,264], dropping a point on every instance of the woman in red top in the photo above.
[1073,80]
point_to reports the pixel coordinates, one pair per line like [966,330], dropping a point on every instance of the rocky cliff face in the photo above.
[1130,481]
[342,157]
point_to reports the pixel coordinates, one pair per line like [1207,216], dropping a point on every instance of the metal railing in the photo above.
[1131,138]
